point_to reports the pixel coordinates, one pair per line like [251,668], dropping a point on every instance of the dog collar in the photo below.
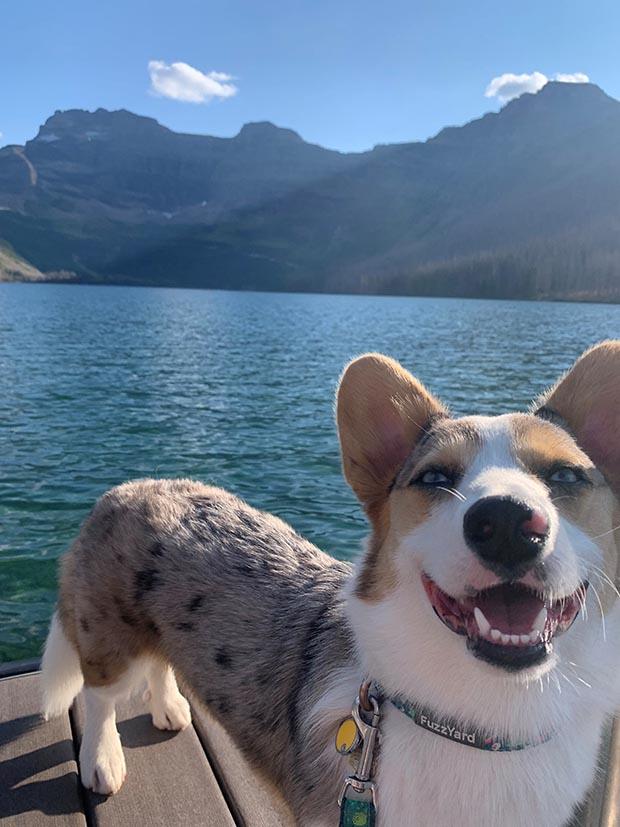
[457,731]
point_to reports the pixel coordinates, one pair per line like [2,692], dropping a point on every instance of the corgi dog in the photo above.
[465,665]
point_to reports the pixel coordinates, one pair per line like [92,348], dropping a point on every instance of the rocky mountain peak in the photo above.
[265,131]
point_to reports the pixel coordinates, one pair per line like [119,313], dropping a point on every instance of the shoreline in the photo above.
[67,282]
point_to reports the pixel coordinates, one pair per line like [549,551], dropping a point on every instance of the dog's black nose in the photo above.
[506,534]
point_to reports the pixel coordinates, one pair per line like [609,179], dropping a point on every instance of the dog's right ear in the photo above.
[382,411]
[587,398]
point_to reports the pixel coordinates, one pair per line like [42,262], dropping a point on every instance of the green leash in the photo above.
[355,813]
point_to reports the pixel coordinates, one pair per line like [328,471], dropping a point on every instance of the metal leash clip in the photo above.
[358,791]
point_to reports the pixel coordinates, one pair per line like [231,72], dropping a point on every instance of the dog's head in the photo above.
[498,530]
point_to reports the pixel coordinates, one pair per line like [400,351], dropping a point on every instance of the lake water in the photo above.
[102,384]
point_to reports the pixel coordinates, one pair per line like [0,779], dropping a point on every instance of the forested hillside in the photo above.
[523,203]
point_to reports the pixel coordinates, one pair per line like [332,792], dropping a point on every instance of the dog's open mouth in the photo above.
[508,625]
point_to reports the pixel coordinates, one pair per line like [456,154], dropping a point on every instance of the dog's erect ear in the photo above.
[588,400]
[382,411]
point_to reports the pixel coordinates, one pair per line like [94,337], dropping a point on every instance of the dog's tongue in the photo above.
[511,609]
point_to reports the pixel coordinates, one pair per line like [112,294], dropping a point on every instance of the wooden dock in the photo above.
[188,779]
[194,778]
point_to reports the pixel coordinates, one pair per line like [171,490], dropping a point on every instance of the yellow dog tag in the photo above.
[348,737]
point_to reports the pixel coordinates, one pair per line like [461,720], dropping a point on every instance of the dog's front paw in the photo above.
[171,712]
[103,768]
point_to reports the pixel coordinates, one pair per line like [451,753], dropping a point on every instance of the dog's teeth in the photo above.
[515,638]
[505,639]
[541,619]
[525,638]
[483,623]
[496,634]
[534,636]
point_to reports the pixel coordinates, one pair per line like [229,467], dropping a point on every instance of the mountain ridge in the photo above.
[524,202]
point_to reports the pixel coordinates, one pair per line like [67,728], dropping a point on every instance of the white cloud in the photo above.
[223,76]
[182,82]
[576,77]
[508,86]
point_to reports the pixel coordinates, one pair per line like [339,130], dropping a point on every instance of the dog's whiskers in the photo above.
[574,668]
[585,683]
[582,604]
[602,575]
[567,679]
[598,599]
[452,491]
[605,533]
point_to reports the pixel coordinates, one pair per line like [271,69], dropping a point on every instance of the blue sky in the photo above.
[344,74]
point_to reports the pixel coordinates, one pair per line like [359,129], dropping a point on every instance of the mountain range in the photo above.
[522,203]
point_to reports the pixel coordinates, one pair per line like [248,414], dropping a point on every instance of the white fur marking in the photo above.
[61,677]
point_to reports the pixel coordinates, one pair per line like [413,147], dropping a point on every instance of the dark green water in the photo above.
[102,384]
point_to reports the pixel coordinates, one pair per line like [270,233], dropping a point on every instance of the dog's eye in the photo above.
[565,475]
[434,477]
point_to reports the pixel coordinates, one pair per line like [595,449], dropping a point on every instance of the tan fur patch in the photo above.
[539,445]
[450,444]
[377,576]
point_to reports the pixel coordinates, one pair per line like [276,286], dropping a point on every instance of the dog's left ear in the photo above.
[588,400]
[382,411]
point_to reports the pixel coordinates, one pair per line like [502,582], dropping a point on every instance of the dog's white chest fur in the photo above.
[426,780]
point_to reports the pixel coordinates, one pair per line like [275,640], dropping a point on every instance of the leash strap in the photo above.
[358,807]
[356,812]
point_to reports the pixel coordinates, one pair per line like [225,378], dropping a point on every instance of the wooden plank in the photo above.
[39,783]
[169,780]
[254,799]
